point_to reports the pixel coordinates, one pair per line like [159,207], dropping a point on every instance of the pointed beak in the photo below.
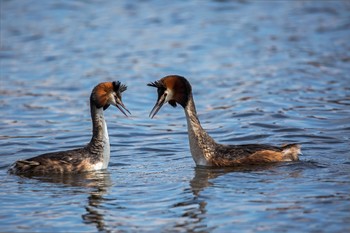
[121,107]
[157,106]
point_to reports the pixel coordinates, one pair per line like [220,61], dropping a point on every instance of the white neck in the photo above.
[201,144]
[99,145]
[106,144]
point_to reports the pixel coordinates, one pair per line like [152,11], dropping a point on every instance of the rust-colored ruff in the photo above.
[102,93]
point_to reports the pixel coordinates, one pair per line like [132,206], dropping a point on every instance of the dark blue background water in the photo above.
[262,72]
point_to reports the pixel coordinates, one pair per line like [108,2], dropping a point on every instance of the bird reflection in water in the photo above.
[95,184]
[194,209]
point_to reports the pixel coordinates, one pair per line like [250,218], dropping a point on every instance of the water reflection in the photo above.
[195,208]
[263,183]
[94,214]
[96,179]
[98,184]
[203,176]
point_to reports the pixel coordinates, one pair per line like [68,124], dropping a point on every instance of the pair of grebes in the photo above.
[172,89]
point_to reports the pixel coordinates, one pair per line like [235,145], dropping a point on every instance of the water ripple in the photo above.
[258,76]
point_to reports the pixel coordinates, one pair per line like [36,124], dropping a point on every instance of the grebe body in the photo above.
[174,89]
[95,155]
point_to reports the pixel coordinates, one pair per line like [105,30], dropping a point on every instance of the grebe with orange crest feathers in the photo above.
[95,155]
[174,89]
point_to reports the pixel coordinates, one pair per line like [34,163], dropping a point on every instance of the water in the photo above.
[262,72]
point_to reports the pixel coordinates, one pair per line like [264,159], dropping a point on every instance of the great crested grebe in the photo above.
[205,151]
[95,155]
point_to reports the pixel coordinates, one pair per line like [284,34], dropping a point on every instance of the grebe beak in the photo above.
[121,107]
[158,105]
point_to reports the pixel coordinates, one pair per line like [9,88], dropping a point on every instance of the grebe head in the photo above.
[109,93]
[172,89]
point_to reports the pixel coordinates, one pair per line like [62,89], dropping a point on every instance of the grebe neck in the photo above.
[202,146]
[99,145]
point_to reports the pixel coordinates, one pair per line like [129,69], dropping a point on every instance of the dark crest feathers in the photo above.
[156,84]
[118,87]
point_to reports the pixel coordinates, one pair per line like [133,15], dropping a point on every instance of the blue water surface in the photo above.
[270,72]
